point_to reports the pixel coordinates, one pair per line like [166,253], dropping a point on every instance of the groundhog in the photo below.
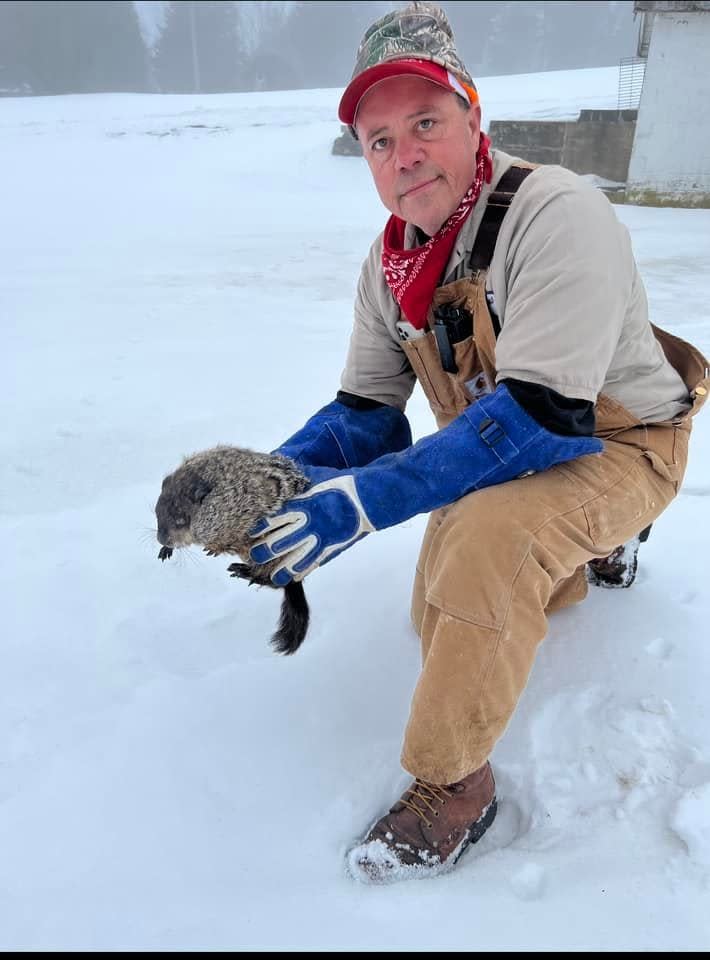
[213,499]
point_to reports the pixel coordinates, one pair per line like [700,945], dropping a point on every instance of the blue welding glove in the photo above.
[341,436]
[492,441]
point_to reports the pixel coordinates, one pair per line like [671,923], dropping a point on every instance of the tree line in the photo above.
[57,47]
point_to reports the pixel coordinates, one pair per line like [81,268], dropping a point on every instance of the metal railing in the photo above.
[631,73]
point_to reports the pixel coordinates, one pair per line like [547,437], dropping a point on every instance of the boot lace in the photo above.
[419,799]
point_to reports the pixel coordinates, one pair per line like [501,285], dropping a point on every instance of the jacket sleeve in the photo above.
[568,282]
[348,432]
[376,366]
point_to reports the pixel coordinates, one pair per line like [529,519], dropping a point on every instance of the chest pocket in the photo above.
[449,365]
[455,364]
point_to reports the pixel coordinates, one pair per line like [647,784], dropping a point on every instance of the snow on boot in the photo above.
[619,569]
[427,830]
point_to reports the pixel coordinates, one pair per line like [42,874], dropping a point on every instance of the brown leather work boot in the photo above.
[427,830]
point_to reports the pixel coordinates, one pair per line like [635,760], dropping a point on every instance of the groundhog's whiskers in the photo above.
[147,536]
[190,556]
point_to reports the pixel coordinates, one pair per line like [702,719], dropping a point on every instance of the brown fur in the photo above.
[214,498]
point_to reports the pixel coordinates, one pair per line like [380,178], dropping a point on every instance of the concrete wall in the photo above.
[540,141]
[598,143]
[670,160]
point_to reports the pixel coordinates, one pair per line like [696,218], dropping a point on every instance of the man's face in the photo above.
[420,146]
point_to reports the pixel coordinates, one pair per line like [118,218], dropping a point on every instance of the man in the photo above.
[511,294]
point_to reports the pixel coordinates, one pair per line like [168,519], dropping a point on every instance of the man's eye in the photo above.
[426,124]
[380,144]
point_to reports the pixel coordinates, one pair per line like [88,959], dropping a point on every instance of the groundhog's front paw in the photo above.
[213,551]
[245,572]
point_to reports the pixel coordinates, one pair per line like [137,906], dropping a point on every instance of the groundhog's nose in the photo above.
[163,537]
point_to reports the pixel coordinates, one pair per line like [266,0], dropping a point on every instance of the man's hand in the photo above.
[311,529]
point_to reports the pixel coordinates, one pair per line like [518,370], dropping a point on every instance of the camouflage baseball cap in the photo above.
[416,39]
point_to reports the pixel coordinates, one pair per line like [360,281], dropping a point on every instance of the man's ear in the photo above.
[474,122]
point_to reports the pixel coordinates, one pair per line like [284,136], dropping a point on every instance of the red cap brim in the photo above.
[359,85]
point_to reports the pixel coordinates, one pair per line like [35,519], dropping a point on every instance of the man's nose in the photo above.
[408,153]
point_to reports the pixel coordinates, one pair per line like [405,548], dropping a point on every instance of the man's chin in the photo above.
[424,211]
[420,211]
[425,219]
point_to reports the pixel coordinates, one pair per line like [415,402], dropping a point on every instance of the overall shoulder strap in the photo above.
[496,208]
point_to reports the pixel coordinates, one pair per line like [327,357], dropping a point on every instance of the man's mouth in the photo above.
[420,186]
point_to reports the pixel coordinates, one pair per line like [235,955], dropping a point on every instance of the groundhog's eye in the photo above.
[180,522]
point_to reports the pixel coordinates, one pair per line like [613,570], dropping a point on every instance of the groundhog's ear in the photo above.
[198,488]
[201,490]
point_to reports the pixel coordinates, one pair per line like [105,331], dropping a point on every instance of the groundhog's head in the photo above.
[178,507]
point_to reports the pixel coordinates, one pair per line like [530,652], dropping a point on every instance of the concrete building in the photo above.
[670,156]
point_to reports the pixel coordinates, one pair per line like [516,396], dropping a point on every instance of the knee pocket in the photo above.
[483,530]
[473,559]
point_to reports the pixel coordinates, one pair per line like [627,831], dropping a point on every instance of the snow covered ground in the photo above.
[177,272]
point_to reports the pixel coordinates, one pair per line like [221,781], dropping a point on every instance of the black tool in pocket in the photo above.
[451,325]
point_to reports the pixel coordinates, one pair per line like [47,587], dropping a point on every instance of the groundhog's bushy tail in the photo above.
[293,622]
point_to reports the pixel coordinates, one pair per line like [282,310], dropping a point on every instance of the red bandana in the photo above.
[413,275]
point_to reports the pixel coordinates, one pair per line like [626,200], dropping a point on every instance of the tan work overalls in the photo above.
[496,562]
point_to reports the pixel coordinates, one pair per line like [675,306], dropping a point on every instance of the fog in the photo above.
[56,47]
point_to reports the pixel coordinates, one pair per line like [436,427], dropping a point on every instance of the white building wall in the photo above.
[670,159]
